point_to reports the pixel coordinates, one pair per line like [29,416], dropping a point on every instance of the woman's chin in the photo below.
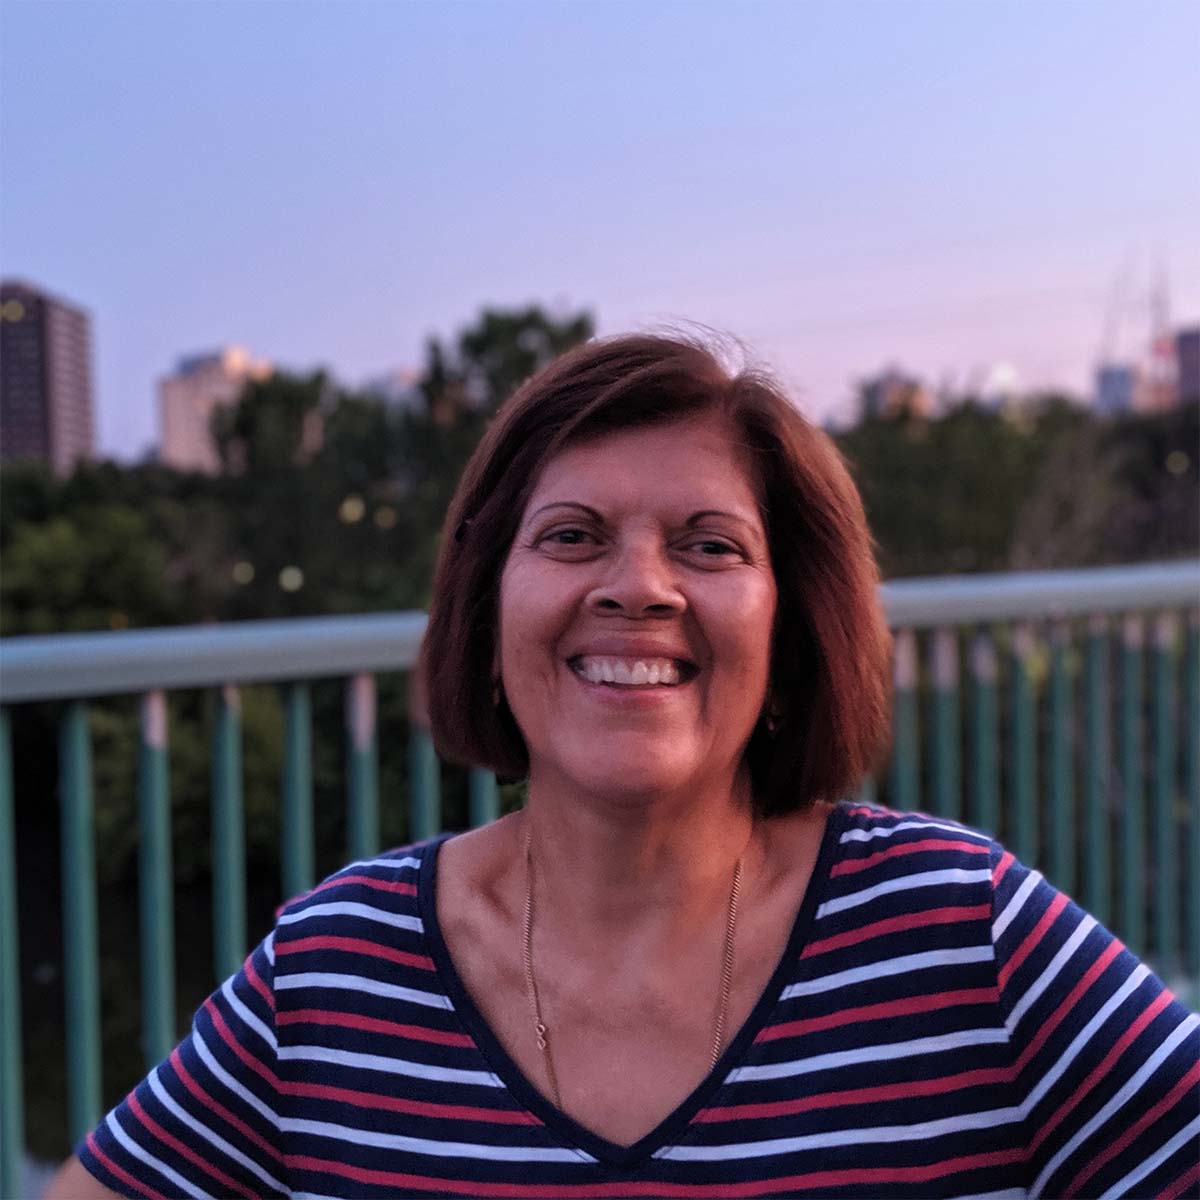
[635,773]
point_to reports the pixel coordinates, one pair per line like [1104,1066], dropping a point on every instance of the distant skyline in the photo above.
[940,186]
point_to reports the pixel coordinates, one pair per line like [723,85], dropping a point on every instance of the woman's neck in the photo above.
[660,864]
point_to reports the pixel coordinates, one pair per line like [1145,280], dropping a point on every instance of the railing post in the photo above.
[1097,817]
[81,975]
[483,797]
[362,768]
[154,883]
[1023,748]
[1166,845]
[1133,801]
[943,724]
[905,772]
[228,836]
[985,761]
[424,785]
[297,790]
[12,1120]
[868,790]
[1191,792]
[1060,763]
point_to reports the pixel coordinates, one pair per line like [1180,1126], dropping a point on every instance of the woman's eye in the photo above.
[567,537]
[713,549]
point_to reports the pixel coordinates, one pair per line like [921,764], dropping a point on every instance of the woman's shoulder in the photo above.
[382,887]
[871,831]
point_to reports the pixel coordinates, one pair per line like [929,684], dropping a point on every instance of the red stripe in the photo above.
[175,1144]
[1032,938]
[184,1076]
[1001,869]
[396,886]
[257,984]
[1181,1185]
[1148,1118]
[140,1188]
[248,1059]
[320,1016]
[867,1095]
[1056,1018]
[881,1177]
[848,866]
[871,1012]
[353,945]
[419,1108]
[1101,1069]
[933,916]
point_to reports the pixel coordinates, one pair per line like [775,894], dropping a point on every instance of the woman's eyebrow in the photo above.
[591,512]
[697,517]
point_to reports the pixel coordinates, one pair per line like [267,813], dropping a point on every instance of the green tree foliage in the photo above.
[350,491]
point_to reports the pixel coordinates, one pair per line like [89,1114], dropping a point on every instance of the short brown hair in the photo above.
[830,653]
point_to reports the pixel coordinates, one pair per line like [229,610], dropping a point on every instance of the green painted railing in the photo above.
[1057,678]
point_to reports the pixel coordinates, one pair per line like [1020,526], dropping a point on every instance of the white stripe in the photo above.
[869,1054]
[396,1141]
[1015,905]
[145,1156]
[268,947]
[843,1137]
[878,831]
[186,1118]
[1130,1089]
[238,1089]
[1153,1162]
[361,983]
[1047,977]
[392,1066]
[1081,1039]
[349,908]
[902,884]
[1009,1194]
[387,864]
[888,966]
[246,1016]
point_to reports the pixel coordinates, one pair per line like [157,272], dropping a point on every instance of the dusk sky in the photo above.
[945,186]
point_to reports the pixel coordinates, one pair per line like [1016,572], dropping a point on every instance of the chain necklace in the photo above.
[535,1003]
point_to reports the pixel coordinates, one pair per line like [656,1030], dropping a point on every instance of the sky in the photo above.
[954,188]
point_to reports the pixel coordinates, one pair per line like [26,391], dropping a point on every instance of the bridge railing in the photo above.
[1059,710]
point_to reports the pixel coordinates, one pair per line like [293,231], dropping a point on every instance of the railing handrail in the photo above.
[67,666]
[924,603]
[76,665]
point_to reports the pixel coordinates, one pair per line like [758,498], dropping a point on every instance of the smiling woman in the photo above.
[686,968]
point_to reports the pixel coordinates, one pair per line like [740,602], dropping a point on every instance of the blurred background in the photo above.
[268,269]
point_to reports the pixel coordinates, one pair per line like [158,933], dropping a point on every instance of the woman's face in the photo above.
[636,608]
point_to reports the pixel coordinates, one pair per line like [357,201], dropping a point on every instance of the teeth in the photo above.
[660,672]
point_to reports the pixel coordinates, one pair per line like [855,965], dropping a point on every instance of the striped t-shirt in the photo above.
[942,1023]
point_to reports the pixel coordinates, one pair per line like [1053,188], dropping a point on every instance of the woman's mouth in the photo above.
[632,672]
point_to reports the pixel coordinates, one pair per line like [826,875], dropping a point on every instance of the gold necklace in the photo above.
[539,1025]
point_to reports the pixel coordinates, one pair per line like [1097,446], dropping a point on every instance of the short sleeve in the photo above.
[1106,1061]
[205,1121]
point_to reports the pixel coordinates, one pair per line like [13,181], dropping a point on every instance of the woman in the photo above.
[683,969]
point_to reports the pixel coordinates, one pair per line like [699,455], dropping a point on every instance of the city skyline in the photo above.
[944,189]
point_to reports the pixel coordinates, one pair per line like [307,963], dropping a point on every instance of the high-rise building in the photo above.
[201,384]
[45,378]
[894,394]
[1187,356]
[1116,388]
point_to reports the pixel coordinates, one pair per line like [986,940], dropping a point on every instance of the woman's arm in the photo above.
[74,1181]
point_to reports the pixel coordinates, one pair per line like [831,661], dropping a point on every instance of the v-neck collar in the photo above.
[667,1131]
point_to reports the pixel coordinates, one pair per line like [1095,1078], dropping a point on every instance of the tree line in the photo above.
[330,500]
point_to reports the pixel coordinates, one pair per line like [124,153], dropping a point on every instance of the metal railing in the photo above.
[1033,762]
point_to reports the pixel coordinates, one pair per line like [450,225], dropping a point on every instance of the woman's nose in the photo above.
[640,581]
